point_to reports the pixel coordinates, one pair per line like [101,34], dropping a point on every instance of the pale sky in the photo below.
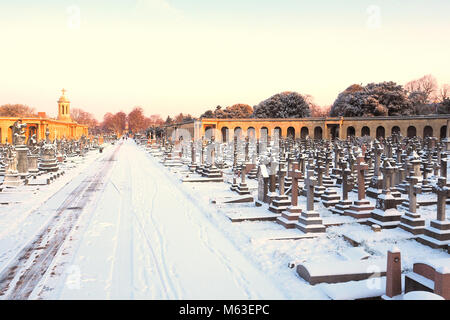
[172,56]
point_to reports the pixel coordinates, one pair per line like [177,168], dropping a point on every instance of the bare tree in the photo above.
[424,90]
[444,92]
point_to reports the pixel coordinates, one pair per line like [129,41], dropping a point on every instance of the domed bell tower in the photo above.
[64,107]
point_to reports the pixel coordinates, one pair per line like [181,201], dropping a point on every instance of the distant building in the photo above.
[61,127]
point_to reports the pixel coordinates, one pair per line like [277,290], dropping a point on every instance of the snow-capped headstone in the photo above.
[437,235]
[360,209]
[263,181]
[310,221]
[289,217]
[411,220]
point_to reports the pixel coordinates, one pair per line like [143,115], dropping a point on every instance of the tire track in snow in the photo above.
[21,276]
[160,264]
[116,288]
[162,243]
[203,236]
[238,279]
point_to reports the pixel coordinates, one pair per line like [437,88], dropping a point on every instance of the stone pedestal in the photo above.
[437,235]
[310,222]
[373,193]
[330,197]
[48,164]
[328,182]
[385,214]
[360,210]
[22,161]
[287,182]
[289,218]
[234,185]
[341,206]
[280,203]
[199,169]
[253,173]
[33,164]
[192,167]
[242,189]
[212,172]
[12,179]
[412,222]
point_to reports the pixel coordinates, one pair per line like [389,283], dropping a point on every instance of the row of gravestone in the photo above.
[21,162]
[369,167]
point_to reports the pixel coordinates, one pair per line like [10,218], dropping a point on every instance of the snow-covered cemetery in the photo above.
[140,217]
[224,158]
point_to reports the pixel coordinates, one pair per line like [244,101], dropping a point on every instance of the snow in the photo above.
[421,295]
[422,280]
[351,290]
[317,269]
[395,249]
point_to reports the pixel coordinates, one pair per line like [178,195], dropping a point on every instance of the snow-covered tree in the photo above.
[375,99]
[283,105]
[237,111]
[444,107]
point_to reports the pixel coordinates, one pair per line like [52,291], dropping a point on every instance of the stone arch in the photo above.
[251,133]
[208,132]
[381,132]
[290,132]
[395,130]
[225,131]
[365,131]
[411,132]
[238,132]
[318,133]
[443,132]
[427,131]
[277,131]
[304,132]
[351,132]
[263,133]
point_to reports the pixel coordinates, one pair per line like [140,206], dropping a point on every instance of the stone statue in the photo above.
[32,144]
[19,133]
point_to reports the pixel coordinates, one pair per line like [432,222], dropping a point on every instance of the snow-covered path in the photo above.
[144,238]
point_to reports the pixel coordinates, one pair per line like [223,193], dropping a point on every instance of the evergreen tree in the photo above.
[375,99]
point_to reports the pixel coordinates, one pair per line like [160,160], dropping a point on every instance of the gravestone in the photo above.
[437,234]
[289,217]
[361,209]
[377,181]
[385,213]
[48,161]
[310,221]
[243,187]
[193,165]
[272,179]
[346,186]
[281,201]
[263,185]
[411,220]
